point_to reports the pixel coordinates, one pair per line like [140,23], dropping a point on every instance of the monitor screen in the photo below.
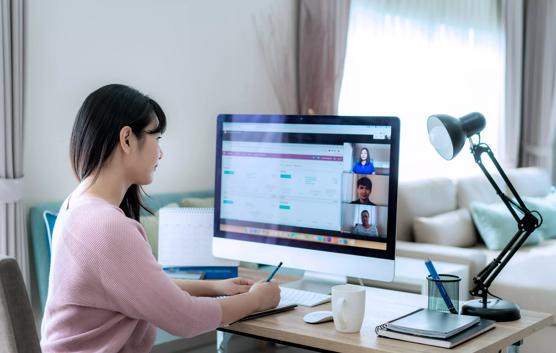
[316,186]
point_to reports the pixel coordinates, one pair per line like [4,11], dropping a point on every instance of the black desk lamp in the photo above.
[447,135]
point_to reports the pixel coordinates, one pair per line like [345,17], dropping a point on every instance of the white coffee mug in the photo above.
[348,307]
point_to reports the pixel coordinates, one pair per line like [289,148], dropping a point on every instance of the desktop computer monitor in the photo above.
[316,192]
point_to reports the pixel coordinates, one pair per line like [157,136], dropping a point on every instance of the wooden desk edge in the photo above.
[539,321]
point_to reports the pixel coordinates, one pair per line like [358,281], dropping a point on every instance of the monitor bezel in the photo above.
[224,242]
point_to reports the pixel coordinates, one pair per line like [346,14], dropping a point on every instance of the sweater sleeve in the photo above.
[134,284]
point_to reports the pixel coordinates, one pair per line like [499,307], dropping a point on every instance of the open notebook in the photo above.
[282,306]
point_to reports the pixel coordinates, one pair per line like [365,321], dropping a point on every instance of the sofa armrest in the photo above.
[475,259]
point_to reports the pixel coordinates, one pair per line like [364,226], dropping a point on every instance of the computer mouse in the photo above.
[317,317]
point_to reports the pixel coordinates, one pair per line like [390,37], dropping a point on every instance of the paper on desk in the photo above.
[185,238]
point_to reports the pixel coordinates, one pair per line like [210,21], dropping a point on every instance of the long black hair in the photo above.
[96,132]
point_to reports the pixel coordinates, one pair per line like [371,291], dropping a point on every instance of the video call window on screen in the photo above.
[365,183]
[315,186]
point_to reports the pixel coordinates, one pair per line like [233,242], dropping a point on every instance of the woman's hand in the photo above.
[268,294]
[261,296]
[232,286]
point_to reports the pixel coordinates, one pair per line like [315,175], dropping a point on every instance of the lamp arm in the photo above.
[526,224]
[505,256]
[477,150]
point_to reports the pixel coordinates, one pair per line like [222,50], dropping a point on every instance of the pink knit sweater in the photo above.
[107,292]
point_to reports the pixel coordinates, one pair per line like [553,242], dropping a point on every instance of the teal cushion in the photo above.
[496,225]
[49,220]
[546,206]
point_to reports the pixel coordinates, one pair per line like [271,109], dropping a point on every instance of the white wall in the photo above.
[196,58]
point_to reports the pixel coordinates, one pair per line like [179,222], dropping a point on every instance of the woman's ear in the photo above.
[125,139]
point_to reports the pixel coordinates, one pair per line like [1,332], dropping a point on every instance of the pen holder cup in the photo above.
[450,283]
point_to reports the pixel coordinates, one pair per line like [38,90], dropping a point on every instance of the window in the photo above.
[412,59]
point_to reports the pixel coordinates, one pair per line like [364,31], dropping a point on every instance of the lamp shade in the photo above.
[447,134]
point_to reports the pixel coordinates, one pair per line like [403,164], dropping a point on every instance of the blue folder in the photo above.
[211,272]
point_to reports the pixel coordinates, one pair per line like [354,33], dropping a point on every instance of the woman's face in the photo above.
[147,155]
[364,154]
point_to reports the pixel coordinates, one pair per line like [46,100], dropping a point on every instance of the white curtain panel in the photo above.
[322,27]
[510,129]
[13,235]
[412,59]
[539,86]
[278,48]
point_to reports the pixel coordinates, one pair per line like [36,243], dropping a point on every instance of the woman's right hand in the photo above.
[261,296]
[267,293]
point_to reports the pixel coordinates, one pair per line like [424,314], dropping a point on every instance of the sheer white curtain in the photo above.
[13,238]
[322,27]
[413,59]
[539,86]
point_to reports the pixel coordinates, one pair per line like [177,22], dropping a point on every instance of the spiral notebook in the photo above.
[185,243]
[434,328]
[431,323]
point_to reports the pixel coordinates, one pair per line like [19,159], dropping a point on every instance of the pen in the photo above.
[274,272]
[440,286]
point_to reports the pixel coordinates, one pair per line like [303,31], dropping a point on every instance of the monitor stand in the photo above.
[317,282]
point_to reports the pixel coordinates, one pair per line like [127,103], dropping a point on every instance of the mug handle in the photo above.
[342,322]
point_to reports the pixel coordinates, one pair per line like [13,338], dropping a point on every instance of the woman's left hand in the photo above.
[232,286]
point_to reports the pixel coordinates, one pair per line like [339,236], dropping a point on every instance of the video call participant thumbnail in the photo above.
[364,165]
[365,227]
[364,189]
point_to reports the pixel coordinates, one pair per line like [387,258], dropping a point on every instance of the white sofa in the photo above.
[434,220]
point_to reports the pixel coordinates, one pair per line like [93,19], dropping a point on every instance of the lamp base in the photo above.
[495,309]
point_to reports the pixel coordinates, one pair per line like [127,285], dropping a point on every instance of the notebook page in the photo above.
[185,238]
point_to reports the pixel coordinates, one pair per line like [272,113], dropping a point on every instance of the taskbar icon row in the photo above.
[316,238]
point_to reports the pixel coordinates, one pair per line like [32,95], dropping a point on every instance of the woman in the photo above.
[363,165]
[107,292]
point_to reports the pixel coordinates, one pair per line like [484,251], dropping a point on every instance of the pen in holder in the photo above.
[451,285]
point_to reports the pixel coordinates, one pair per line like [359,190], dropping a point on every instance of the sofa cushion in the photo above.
[150,223]
[530,181]
[496,226]
[477,189]
[454,228]
[546,206]
[202,202]
[422,198]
